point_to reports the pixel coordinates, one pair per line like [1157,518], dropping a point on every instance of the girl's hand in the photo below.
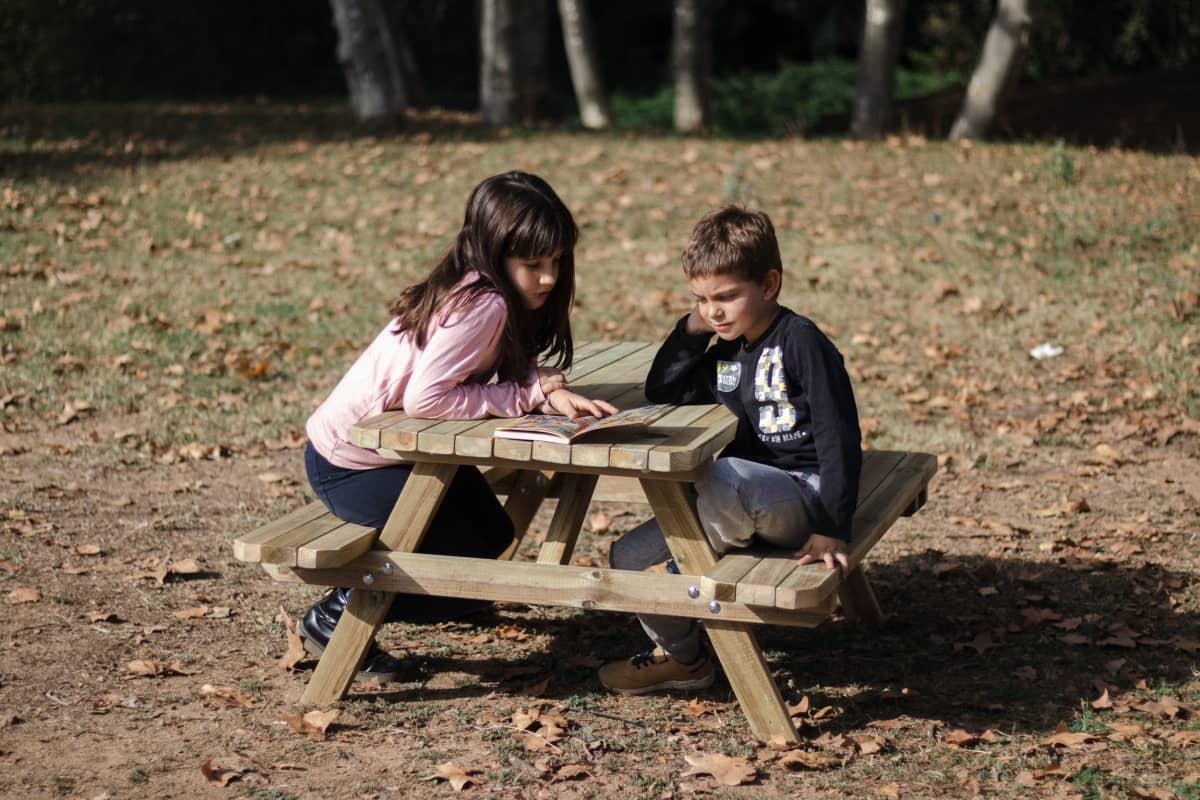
[824,548]
[551,380]
[696,323]
[572,405]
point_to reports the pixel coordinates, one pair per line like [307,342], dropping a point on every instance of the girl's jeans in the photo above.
[736,500]
[470,522]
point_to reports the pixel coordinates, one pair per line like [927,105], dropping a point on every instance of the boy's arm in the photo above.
[835,428]
[683,371]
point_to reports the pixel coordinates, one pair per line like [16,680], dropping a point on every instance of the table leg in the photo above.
[573,503]
[734,642]
[405,528]
[858,601]
[528,492]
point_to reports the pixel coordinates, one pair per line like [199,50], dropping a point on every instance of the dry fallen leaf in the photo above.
[227,695]
[313,724]
[295,647]
[87,549]
[195,612]
[698,708]
[230,768]
[151,668]
[728,770]
[458,777]
[23,594]
[568,772]
[809,759]
[1065,738]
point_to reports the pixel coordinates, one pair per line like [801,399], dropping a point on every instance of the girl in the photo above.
[498,297]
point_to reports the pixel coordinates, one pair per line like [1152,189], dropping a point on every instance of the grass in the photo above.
[194,298]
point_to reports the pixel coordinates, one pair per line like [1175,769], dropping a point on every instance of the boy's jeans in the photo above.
[736,500]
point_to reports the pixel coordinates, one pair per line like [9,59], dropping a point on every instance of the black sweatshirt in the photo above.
[791,395]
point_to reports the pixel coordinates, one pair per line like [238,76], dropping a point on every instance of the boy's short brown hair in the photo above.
[732,241]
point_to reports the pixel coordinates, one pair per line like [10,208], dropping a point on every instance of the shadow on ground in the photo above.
[971,642]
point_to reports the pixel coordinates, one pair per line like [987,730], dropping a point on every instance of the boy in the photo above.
[790,476]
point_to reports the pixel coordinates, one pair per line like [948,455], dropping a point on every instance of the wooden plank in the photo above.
[757,587]
[573,501]
[709,436]
[496,461]
[347,647]
[248,546]
[619,489]
[282,549]
[588,588]
[366,433]
[337,547]
[636,455]
[405,433]
[811,583]
[734,643]
[416,506]
[720,582]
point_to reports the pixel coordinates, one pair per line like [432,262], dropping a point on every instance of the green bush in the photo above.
[791,100]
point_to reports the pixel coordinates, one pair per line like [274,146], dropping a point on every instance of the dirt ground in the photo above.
[999,628]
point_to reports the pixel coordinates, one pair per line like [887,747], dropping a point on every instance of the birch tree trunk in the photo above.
[512,63]
[692,63]
[369,60]
[1000,63]
[584,65]
[882,29]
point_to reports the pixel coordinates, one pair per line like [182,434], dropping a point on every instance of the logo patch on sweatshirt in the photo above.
[729,375]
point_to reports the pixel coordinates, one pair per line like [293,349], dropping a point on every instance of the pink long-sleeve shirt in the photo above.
[446,379]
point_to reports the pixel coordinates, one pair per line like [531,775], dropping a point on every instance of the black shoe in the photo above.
[316,627]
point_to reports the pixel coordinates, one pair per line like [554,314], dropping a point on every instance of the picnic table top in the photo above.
[680,440]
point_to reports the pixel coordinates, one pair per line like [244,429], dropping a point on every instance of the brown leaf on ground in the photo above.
[221,776]
[23,594]
[1166,707]
[728,770]
[87,549]
[809,759]
[185,566]
[1184,738]
[1102,702]
[698,708]
[523,720]
[511,632]
[963,738]
[802,707]
[195,612]
[866,743]
[889,790]
[1065,738]
[1124,731]
[458,777]
[313,724]
[226,695]
[295,648]
[1149,792]
[151,668]
[569,772]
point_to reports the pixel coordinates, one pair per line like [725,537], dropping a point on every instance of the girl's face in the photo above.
[534,278]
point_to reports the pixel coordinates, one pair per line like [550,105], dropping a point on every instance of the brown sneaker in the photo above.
[654,671]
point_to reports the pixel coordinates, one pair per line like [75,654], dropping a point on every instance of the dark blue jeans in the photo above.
[470,522]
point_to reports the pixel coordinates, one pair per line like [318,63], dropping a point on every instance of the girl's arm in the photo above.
[460,348]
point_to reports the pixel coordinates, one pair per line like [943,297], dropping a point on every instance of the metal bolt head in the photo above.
[368,579]
[714,606]
[693,592]
[387,568]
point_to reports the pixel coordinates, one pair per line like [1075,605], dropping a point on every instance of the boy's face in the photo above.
[734,306]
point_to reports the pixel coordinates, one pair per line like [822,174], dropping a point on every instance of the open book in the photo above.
[551,428]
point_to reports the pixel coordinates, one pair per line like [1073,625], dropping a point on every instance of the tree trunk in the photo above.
[512,63]
[1003,57]
[585,67]
[369,60]
[882,28]
[692,63]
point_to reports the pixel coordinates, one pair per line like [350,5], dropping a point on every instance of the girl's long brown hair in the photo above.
[514,214]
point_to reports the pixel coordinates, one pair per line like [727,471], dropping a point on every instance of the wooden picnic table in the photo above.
[729,594]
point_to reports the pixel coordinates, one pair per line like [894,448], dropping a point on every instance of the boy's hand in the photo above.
[696,323]
[823,548]
[572,405]
[551,380]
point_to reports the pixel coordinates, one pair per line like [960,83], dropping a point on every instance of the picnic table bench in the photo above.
[729,594]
